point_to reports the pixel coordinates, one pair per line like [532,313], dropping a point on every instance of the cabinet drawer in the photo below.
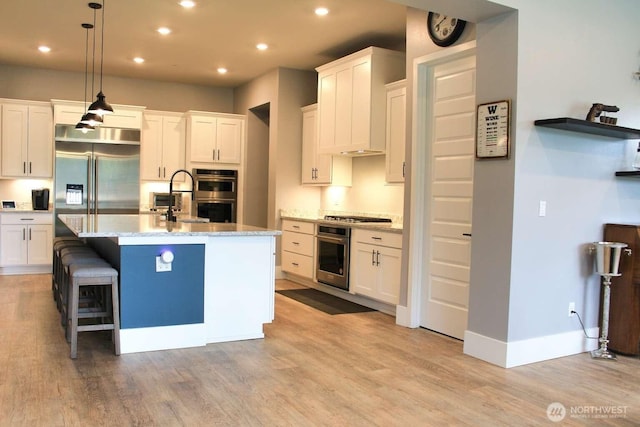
[298,226]
[301,265]
[26,218]
[298,243]
[374,237]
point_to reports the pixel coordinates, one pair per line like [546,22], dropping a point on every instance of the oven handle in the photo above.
[333,239]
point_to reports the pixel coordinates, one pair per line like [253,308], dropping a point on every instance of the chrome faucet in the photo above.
[170,216]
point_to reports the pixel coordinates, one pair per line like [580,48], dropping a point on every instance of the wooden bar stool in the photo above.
[106,313]
[70,256]
[60,243]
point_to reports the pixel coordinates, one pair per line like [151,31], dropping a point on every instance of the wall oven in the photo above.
[215,194]
[332,266]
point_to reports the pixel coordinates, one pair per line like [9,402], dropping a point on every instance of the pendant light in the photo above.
[91,119]
[100,105]
[84,124]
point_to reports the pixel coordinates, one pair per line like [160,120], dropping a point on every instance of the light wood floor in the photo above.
[312,369]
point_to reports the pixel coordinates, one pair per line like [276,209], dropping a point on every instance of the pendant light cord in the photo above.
[86,63]
[93,56]
[102,44]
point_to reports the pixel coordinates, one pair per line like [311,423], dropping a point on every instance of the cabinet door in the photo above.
[202,139]
[363,274]
[15,125]
[326,111]
[395,138]
[40,244]
[13,245]
[173,140]
[229,135]
[388,286]
[40,145]
[309,142]
[361,105]
[151,148]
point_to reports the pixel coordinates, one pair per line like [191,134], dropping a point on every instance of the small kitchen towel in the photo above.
[324,302]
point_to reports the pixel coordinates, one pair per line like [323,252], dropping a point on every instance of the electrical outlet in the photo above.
[162,266]
[572,308]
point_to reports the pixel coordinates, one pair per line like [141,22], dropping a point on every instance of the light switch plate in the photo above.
[162,266]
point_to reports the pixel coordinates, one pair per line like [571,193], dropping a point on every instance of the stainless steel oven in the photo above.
[332,266]
[216,194]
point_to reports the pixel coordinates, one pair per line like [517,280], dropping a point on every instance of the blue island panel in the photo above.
[149,298]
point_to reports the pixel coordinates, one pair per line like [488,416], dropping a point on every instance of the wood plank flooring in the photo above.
[312,369]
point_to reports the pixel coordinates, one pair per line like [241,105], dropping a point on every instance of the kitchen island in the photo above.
[184,284]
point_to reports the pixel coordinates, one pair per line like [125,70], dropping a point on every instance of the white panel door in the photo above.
[229,140]
[445,296]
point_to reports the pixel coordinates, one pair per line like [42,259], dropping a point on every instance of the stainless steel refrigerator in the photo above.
[98,172]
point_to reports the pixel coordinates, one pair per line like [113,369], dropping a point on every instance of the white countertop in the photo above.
[145,225]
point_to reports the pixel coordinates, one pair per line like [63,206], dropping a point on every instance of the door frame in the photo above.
[421,142]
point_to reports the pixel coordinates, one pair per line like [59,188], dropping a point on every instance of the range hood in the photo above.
[101,135]
[360,153]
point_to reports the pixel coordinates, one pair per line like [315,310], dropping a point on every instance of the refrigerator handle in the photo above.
[95,185]
[89,185]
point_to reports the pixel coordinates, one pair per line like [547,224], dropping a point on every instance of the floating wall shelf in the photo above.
[591,128]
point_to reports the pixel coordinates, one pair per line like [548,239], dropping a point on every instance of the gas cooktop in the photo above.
[352,218]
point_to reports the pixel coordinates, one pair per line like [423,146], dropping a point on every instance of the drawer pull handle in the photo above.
[295,264]
[295,243]
[376,238]
[295,226]
[27,219]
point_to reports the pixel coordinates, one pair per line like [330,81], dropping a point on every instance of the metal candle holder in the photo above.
[607,264]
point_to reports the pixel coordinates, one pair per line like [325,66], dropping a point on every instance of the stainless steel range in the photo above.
[332,267]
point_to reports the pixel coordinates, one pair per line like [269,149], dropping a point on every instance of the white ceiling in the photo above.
[213,34]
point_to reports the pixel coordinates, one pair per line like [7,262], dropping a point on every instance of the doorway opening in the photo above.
[256,187]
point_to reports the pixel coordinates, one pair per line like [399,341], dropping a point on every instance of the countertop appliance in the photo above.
[216,194]
[97,172]
[40,199]
[332,267]
[159,202]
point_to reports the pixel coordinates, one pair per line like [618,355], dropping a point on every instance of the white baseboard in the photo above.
[162,338]
[523,352]
[25,269]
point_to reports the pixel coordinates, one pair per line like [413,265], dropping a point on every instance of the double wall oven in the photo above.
[333,239]
[216,194]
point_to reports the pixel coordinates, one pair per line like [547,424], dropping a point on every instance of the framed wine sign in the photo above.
[493,126]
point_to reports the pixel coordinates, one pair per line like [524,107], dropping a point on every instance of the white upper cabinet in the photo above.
[352,100]
[27,139]
[162,145]
[320,168]
[396,131]
[123,116]
[215,137]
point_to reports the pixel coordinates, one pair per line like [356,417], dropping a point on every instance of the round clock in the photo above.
[444,30]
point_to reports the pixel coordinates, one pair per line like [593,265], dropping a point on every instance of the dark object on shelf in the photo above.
[597,109]
[624,314]
[592,128]
[634,174]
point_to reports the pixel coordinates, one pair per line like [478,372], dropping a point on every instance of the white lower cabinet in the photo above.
[376,264]
[298,248]
[25,239]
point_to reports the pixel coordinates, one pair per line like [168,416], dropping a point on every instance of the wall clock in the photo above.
[444,30]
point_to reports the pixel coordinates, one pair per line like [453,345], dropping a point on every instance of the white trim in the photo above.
[523,352]
[25,269]
[162,338]
[422,66]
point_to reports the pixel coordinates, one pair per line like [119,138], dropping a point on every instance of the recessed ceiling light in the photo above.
[138,60]
[262,46]
[44,49]
[321,11]
[187,4]
[164,31]
[222,70]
